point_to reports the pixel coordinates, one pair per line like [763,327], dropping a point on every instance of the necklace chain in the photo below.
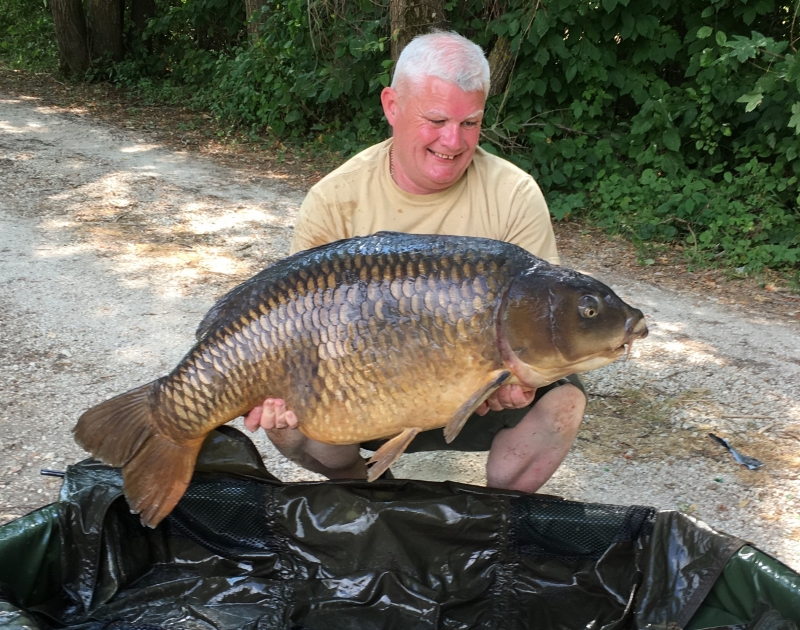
[391,162]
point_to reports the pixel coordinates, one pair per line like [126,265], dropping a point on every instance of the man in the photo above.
[431,177]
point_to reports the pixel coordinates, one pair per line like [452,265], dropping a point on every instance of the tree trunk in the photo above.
[252,7]
[500,64]
[414,17]
[105,28]
[70,27]
[141,12]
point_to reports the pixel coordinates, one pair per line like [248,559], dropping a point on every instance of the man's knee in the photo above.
[526,456]
[564,407]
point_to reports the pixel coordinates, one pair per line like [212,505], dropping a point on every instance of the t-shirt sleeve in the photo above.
[529,223]
[317,223]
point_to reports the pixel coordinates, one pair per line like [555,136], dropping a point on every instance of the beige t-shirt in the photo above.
[493,199]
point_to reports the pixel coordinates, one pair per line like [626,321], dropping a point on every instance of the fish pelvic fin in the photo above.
[114,430]
[158,475]
[460,417]
[387,454]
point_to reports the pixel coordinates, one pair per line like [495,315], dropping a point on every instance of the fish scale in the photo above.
[367,338]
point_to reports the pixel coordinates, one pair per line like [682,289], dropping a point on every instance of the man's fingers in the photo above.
[275,415]
[253,419]
[515,397]
[291,419]
[510,397]
[280,414]
[272,414]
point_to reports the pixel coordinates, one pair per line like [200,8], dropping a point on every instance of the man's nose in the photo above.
[451,135]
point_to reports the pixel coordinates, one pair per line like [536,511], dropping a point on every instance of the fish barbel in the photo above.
[373,337]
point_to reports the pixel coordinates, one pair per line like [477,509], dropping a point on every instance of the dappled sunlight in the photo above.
[140,148]
[207,223]
[6,127]
[145,228]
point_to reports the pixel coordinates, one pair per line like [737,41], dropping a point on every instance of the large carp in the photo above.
[382,336]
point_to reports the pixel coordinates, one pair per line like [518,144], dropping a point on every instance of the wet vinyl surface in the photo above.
[243,550]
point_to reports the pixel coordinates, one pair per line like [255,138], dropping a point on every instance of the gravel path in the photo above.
[112,248]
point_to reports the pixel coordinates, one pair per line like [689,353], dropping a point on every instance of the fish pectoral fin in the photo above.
[157,476]
[459,418]
[387,454]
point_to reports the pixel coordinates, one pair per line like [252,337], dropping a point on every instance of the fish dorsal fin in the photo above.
[459,418]
[227,308]
[247,297]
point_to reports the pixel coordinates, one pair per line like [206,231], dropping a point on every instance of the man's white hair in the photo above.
[445,55]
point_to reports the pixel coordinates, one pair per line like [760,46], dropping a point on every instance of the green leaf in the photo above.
[648,177]
[671,139]
[704,31]
[753,100]
[541,23]
[628,24]
[707,12]
[643,26]
[609,5]
[721,38]
[794,121]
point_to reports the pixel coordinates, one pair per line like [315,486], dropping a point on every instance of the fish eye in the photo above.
[588,306]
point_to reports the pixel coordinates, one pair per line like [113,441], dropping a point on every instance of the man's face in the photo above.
[436,129]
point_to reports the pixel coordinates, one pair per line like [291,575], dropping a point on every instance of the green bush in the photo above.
[309,75]
[669,121]
[26,35]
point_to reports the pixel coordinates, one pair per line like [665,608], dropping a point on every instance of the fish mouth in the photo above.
[635,328]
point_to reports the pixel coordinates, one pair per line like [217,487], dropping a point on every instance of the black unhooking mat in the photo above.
[245,551]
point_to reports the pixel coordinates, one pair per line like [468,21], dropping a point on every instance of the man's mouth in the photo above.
[443,156]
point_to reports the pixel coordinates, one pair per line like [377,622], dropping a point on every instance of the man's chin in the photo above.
[442,181]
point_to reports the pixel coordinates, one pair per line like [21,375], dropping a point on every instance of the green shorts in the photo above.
[479,431]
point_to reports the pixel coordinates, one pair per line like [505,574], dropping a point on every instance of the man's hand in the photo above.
[507,397]
[270,415]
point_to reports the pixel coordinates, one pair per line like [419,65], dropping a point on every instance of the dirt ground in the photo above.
[119,229]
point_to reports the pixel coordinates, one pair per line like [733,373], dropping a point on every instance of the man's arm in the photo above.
[530,224]
[317,223]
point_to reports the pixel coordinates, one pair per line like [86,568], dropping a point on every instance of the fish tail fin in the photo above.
[158,475]
[115,429]
[156,470]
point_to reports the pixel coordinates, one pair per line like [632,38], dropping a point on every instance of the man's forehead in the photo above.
[440,113]
[435,97]
[430,86]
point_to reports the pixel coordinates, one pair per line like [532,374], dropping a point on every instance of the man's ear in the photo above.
[391,103]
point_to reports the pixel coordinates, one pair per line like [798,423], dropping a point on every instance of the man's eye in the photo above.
[437,122]
[471,124]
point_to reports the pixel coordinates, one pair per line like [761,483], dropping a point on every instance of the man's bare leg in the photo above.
[526,456]
[333,461]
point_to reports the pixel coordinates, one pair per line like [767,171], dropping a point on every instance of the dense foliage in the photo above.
[666,120]
[26,35]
